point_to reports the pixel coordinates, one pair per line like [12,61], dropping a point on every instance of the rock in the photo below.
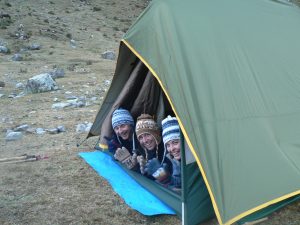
[80,128]
[20,85]
[57,73]
[61,128]
[5,15]
[2,84]
[41,83]
[23,127]
[21,94]
[12,95]
[83,127]
[53,131]
[61,105]
[4,49]
[69,97]
[2,95]
[93,99]
[40,131]
[34,47]
[88,127]
[31,130]
[17,57]
[107,83]
[12,136]
[59,117]
[108,55]
[76,103]
[73,43]
[79,104]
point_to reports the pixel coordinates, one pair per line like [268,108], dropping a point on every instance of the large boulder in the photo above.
[41,83]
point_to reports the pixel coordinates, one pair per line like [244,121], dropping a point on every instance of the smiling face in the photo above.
[147,141]
[124,131]
[173,147]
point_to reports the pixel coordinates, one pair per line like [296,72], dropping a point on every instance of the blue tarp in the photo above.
[133,193]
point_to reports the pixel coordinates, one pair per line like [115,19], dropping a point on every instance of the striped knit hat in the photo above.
[146,124]
[121,116]
[171,130]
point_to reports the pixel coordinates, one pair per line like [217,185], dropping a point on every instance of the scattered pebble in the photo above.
[12,136]
[108,55]
[17,57]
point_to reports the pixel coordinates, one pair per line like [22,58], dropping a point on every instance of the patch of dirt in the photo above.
[63,189]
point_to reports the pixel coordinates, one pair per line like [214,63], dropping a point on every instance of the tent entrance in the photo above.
[136,89]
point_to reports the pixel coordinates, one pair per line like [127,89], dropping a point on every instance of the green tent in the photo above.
[230,72]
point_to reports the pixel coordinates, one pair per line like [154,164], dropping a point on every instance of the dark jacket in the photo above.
[152,154]
[117,142]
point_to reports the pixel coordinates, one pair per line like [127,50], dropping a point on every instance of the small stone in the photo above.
[35,47]
[23,127]
[61,105]
[57,73]
[107,82]
[30,130]
[12,136]
[17,57]
[3,49]
[53,131]
[20,85]
[61,129]
[80,128]
[40,131]
[73,43]
[108,55]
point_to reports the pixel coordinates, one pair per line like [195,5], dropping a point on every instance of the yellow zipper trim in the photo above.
[255,209]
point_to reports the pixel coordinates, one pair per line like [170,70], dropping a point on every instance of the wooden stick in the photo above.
[13,158]
[19,161]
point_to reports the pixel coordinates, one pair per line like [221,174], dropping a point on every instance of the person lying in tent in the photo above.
[123,144]
[153,163]
[171,139]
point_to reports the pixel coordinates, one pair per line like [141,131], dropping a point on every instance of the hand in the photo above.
[151,166]
[122,154]
[142,162]
[131,161]
[162,174]
[112,144]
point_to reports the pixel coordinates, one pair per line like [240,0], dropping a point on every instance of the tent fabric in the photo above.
[266,211]
[133,194]
[230,70]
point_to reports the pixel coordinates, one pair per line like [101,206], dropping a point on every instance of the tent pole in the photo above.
[182,213]
[184,220]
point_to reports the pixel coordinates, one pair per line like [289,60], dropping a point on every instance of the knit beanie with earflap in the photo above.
[171,130]
[121,116]
[146,124]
